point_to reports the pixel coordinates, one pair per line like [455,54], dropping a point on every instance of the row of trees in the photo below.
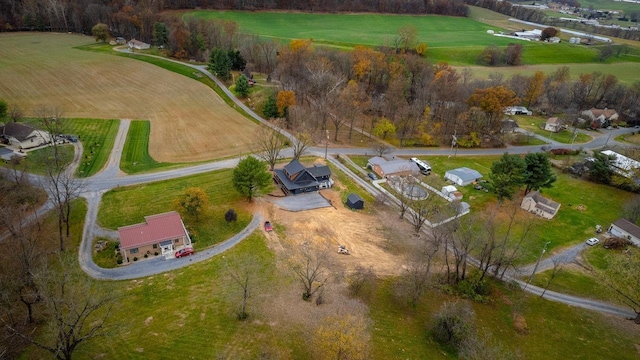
[425,103]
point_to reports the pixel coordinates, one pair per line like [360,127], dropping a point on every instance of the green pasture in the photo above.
[626,72]
[627,7]
[572,282]
[129,205]
[458,41]
[552,328]
[535,124]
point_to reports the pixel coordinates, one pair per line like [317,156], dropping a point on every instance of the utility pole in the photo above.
[535,268]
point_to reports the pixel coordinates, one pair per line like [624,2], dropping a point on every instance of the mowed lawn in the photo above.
[189,121]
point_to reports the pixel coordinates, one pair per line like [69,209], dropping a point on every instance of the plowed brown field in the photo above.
[189,121]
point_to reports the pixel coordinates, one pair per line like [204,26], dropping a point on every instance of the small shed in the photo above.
[355,202]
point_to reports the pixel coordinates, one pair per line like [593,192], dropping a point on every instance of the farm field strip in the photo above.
[189,121]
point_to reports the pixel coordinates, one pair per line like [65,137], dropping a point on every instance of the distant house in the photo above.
[553,124]
[294,178]
[622,165]
[517,110]
[534,34]
[120,40]
[159,234]
[462,176]
[23,136]
[401,167]
[600,118]
[624,228]
[535,203]
[355,202]
[509,126]
[138,45]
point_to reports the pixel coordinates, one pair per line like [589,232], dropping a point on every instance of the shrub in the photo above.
[146,256]
[561,151]
[155,253]
[453,323]
[135,258]
[119,261]
[230,215]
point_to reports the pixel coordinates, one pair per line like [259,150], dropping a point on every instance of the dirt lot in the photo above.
[189,122]
[373,240]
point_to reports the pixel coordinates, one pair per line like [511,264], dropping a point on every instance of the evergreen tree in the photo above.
[507,175]
[538,174]
[220,64]
[238,62]
[242,86]
[601,169]
[270,108]
[160,37]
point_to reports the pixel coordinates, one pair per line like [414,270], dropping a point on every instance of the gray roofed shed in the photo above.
[355,202]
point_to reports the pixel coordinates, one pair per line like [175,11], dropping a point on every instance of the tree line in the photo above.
[401,96]
[135,18]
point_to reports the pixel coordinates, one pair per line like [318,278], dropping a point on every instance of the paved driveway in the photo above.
[308,201]
[5,153]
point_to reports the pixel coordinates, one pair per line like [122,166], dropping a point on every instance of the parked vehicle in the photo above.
[343,250]
[372,176]
[592,241]
[184,252]
[267,226]
[425,168]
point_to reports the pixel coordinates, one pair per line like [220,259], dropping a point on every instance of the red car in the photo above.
[267,226]
[184,252]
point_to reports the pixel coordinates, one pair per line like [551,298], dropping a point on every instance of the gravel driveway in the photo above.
[302,202]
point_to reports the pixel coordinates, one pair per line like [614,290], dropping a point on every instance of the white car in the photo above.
[592,241]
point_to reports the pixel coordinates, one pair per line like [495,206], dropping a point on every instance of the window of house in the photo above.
[134,251]
[155,246]
[176,240]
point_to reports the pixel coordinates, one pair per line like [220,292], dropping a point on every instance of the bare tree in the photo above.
[361,279]
[557,267]
[631,209]
[381,149]
[244,272]
[301,143]
[76,310]
[464,241]
[269,142]
[15,113]
[310,268]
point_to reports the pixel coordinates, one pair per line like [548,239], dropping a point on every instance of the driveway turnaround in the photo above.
[160,264]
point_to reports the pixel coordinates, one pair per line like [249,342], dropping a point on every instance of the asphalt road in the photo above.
[111,177]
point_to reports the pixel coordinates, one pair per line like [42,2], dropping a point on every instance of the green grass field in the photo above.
[535,124]
[129,205]
[98,137]
[458,41]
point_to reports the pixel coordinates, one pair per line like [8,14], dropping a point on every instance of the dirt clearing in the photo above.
[189,121]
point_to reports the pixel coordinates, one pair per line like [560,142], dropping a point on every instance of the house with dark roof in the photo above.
[23,136]
[462,176]
[295,178]
[159,234]
[624,228]
[400,167]
[535,203]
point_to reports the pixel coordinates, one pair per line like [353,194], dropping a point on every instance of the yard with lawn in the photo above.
[535,124]
[129,205]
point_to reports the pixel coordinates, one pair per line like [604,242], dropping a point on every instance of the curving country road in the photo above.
[111,177]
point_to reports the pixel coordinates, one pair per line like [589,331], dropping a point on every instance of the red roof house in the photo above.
[160,234]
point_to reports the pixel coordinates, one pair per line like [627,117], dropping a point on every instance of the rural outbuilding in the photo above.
[625,229]
[355,202]
[462,176]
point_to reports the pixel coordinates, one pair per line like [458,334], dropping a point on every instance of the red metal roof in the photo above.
[156,228]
